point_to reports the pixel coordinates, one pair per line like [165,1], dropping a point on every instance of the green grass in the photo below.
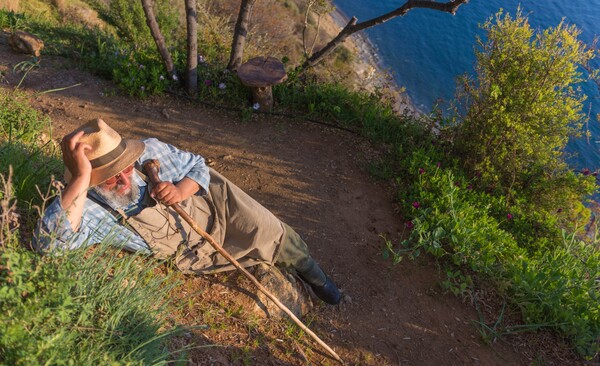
[81,308]
[77,307]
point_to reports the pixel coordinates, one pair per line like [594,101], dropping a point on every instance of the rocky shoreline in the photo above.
[369,68]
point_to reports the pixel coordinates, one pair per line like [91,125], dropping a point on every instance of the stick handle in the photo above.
[151,168]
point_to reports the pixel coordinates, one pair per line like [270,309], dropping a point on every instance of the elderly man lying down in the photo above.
[107,193]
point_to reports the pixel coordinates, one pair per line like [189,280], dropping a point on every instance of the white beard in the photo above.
[118,200]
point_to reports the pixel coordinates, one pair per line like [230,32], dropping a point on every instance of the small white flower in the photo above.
[161,78]
[175,77]
[143,88]
[201,59]
[222,86]
[256,106]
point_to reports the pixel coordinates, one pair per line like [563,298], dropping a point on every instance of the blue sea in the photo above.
[426,50]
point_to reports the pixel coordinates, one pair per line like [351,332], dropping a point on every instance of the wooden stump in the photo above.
[260,74]
[263,96]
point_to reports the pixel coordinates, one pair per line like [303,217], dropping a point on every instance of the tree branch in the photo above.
[353,26]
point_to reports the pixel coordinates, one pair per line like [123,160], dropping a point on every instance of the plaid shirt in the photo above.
[98,224]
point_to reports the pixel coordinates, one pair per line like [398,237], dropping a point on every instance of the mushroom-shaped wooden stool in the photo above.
[260,74]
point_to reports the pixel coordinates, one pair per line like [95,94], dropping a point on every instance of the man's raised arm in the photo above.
[74,195]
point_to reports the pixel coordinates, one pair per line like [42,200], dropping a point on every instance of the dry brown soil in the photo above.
[313,178]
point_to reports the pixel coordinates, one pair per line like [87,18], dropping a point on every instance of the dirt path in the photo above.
[314,179]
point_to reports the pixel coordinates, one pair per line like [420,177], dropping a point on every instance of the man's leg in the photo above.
[294,254]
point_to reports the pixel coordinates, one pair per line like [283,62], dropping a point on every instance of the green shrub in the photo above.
[129,20]
[218,85]
[137,73]
[450,219]
[514,120]
[550,276]
[363,112]
[559,289]
[11,20]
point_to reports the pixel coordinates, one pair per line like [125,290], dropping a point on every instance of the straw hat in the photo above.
[110,154]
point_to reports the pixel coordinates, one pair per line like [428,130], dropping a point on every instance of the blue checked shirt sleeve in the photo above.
[177,164]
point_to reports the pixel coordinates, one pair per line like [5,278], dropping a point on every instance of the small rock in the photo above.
[291,293]
[25,42]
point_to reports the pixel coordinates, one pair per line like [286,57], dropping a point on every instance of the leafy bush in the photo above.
[559,289]
[129,20]
[363,112]
[508,133]
[450,219]
[555,286]
[218,85]
[10,19]
[136,73]
[513,122]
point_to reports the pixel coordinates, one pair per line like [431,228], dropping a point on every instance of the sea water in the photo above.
[426,50]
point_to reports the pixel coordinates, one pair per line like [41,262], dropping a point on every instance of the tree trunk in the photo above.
[158,37]
[240,33]
[192,47]
[352,27]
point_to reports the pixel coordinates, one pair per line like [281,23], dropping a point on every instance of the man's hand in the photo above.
[74,156]
[167,193]
[170,194]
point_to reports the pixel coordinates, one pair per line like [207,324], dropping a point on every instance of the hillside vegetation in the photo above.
[484,187]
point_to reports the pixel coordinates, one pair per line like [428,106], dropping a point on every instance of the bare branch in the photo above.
[353,27]
[309,5]
[312,46]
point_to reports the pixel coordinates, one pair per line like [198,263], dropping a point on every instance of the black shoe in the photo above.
[328,292]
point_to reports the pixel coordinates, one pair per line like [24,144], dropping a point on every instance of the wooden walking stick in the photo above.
[152,168]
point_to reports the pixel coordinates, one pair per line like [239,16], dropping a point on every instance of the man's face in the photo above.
[120,183]
[119,191]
